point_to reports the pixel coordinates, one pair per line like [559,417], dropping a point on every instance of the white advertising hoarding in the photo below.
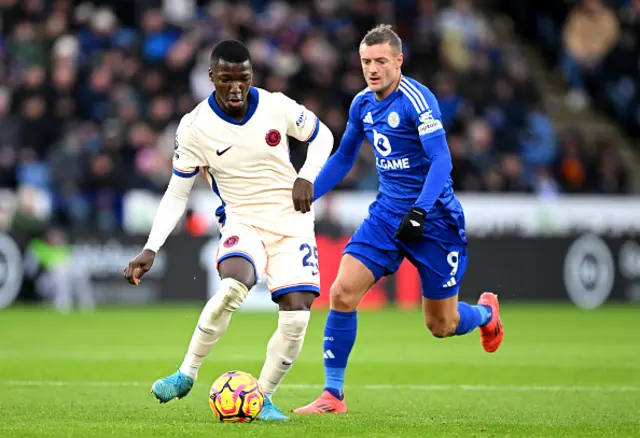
[486,214]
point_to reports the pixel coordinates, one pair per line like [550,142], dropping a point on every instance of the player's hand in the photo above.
[302,195]
[412,226]
[139,266]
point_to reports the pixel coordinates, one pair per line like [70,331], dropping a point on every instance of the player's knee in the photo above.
[293,324]
[442,326]
[344,297]
[246,278]
[233,293]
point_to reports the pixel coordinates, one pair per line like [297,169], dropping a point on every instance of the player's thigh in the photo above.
[241,254]
[371,254]
[298,300]
[374,247]
[292,268]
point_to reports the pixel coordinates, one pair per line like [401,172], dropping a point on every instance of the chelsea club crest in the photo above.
[394,119]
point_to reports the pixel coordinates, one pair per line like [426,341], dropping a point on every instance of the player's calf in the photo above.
[212,323]
[441,316]
[353,281]
[442,326]
[448,317]
[286,343]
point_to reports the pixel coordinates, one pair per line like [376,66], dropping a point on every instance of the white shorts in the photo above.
[290,263]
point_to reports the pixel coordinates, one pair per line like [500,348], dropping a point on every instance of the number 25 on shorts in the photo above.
[310,257]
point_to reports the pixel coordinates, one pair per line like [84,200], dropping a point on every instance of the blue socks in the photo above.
[339,337]
[472,317]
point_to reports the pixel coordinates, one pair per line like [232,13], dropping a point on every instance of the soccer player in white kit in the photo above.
[237,139]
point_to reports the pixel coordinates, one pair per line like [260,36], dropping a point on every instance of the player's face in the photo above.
[381,67]
[233,82]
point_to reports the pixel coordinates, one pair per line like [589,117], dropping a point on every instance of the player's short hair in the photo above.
[230,51]
[383,33]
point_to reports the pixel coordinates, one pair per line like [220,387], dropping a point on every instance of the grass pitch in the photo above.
[560,372]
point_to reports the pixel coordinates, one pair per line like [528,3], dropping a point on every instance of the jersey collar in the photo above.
[253,105]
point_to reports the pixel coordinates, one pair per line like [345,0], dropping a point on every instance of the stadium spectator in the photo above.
[604,68]
[590,33]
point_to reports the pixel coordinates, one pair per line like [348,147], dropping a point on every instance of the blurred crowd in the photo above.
[92,94]
[596,46]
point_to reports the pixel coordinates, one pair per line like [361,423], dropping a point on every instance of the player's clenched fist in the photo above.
[302,195]
[412,226]
[139,266]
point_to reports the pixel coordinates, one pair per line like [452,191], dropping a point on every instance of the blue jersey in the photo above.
[412,156]
[414,166]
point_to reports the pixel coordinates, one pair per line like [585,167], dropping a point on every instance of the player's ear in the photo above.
[210,74]
[400,59]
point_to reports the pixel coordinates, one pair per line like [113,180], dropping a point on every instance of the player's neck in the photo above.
[390,89]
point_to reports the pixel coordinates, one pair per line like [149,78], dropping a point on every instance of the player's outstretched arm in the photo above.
[171,208]
[340,163]
[305,126]
[317,153]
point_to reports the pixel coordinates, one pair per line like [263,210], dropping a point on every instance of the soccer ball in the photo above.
[236,397]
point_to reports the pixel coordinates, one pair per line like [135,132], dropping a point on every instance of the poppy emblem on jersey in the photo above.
[394,119]
[273,137]
[231,241]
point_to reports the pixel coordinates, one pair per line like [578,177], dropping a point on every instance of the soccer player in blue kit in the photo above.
[415,215]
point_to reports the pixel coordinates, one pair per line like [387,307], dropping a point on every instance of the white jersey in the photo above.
[247,163]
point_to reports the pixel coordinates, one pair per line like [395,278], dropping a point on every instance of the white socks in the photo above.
[283,348]
[213,322]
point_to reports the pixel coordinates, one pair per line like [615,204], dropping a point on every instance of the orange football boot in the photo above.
[325,404]
[492,333]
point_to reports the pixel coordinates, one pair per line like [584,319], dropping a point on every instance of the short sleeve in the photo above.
[302,124]
[186,158]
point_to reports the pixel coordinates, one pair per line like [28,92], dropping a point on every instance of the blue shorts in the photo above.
[441,258]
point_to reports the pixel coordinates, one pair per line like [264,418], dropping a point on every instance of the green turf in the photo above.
[561,372]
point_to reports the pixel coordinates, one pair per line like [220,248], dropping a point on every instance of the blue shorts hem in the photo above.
[377,270]
[441,294]
[296,288]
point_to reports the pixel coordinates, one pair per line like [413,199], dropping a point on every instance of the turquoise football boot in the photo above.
[168,388]
[270,412]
